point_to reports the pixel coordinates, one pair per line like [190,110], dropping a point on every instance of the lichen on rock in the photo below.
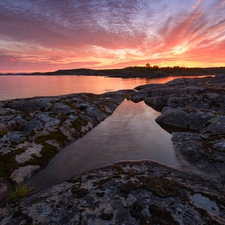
[23,172]
[34,130]
[141,192]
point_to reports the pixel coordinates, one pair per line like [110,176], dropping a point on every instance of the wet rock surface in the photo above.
[193,110]
[141,192]
[33,131]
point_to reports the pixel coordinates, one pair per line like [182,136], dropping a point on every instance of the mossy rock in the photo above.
[55,135]
[161,216]
[159,186]
[79,123]
[8,164]
[47,153]
[3,132]
[79,192]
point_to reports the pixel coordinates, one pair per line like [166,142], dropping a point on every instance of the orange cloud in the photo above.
[104,34]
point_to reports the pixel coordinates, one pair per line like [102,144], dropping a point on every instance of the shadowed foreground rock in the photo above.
[126,193]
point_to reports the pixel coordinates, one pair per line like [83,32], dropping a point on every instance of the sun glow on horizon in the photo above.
[45,37]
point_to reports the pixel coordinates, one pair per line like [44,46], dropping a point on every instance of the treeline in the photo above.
[138,71]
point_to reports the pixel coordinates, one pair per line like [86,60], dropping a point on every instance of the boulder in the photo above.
[157,103]
[179,101]
[138,96]
[40,104]
[173,117]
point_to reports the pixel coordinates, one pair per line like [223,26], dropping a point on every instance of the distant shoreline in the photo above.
[132,72]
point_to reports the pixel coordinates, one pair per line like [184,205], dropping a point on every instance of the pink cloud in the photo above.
[44,35]
[197,4]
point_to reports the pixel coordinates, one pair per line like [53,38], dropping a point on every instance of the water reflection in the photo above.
[129,134]
[29,86]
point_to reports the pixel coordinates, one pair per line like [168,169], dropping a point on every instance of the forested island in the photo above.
[147,71]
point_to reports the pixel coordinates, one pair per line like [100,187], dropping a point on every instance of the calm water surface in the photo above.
[129,134]
[12,87]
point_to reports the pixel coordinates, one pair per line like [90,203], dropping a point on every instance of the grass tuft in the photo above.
[128,96]
[20,191]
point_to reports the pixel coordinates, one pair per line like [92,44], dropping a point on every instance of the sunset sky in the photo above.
[47,35]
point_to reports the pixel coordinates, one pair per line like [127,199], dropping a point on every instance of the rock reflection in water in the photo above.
[131,133]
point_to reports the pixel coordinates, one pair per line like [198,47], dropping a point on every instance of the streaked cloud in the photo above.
[197,4]
[49,35]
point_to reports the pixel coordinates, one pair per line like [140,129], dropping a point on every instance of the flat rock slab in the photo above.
[34,130]
[126,193]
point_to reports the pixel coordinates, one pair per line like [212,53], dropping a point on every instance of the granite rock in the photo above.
[141,192]
[195,107]
[33,131]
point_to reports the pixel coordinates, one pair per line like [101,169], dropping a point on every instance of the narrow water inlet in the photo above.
[131,133]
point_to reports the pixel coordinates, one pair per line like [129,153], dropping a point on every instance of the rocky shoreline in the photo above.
[139,192]
[33,131]
[193,110]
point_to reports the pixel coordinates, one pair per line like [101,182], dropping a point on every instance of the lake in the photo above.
[130,133]
[19,86]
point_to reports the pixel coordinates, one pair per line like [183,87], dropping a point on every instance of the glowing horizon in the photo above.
[45,36]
